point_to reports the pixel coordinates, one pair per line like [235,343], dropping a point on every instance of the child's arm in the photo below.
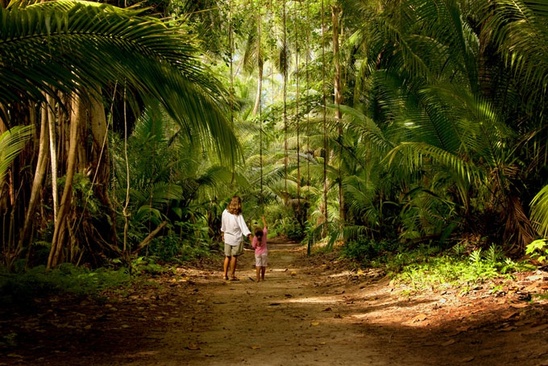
[264,221]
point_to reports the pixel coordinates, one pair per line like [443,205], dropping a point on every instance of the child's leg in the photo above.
[258,272]
[264,263]
[258,267]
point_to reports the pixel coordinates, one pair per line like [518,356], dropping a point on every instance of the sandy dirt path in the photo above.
[309,311]
[292,318]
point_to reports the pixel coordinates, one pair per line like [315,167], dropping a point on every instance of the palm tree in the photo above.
[456,137]
[517,30]
[65,55]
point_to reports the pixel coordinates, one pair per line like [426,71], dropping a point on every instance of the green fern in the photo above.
[538,249]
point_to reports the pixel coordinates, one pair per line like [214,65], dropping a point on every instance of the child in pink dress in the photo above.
[261,250]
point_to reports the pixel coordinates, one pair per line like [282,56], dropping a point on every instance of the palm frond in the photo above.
[74,46]
[11,143]
[416,155]
[539,212]
[519,29]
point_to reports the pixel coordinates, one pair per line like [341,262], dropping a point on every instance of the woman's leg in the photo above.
[225,267]
[233,263]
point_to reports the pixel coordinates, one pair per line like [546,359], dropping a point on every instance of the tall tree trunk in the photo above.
[51,121]
[337,86]
[284,64]
[39,175]
[259,89]
[325,206]
[79,225]
[257,108]
[60,227]
[99,162]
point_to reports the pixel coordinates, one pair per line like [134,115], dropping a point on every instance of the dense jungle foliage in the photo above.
[384,125]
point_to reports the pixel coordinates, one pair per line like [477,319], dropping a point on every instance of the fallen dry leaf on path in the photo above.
[448,343]
[419,318]
[193,347]
[512,314]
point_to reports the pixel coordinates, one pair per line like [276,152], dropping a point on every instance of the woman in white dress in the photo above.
[233,229]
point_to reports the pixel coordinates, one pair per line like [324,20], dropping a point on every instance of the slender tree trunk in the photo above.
[325,206]
[285,65]
[60,227]
[257,108]
[77,227]
[39,175]
[258,100]
[125,250]
[51,121]
[149,237]
[99,159]
[337,86]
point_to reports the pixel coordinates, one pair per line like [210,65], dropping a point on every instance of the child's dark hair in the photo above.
[258,232]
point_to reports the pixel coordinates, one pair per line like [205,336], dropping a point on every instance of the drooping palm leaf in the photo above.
[539,212]
[519,29]
[73,46]
[416,153]
[11,143]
